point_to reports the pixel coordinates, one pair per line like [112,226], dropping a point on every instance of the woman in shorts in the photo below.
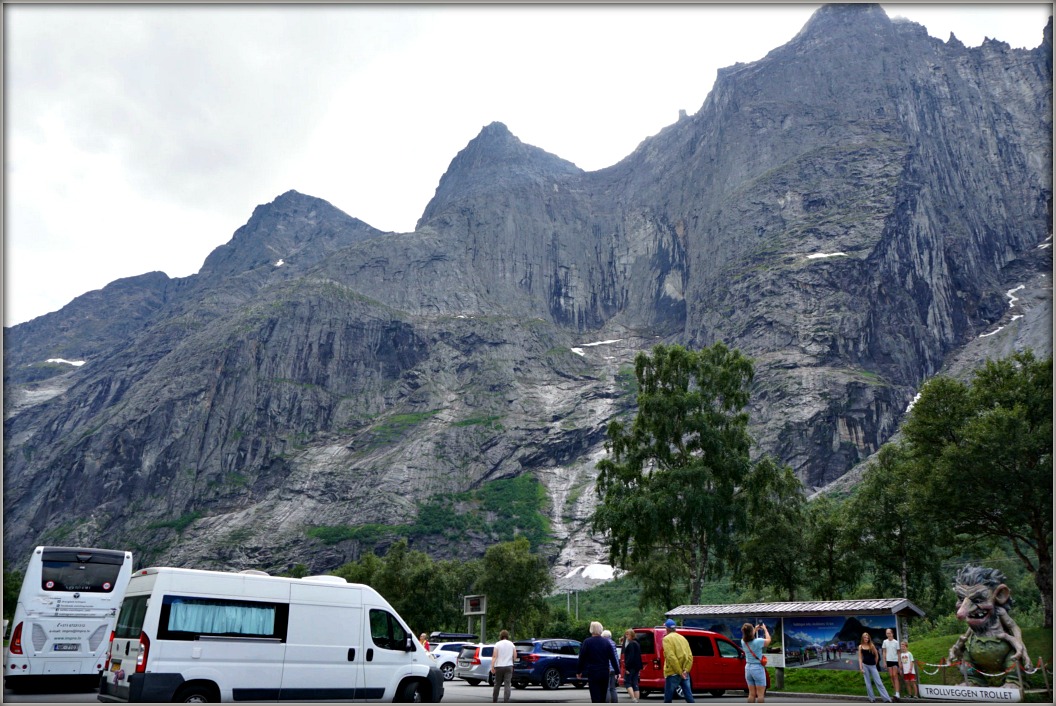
[632,664]
[754,672]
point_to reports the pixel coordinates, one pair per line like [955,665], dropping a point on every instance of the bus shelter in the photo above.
[807,634]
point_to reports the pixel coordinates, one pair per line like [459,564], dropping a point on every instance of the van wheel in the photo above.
[409,694]
[196,695]
[717,692]
[551,678]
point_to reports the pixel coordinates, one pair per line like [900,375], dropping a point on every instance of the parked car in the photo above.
[718,662]
[446,656]
[474,664]
[548,663]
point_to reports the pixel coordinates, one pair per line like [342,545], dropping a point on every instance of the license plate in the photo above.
[67,646]
[115,665]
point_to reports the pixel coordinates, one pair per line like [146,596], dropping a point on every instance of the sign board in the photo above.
[989,694]
[475,605]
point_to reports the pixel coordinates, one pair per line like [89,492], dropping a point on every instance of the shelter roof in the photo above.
[865,606]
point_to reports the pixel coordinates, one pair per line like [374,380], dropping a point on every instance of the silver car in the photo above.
[474,664]
[446,655]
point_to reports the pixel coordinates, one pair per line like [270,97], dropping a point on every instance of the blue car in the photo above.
[548,663]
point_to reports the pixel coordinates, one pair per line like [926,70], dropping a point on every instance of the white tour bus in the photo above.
[193,636]
[66,610]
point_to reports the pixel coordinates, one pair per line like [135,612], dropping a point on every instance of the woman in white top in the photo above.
[890,648]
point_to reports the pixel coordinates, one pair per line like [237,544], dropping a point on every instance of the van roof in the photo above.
[247,573]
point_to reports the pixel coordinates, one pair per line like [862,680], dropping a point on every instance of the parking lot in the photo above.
[460,692]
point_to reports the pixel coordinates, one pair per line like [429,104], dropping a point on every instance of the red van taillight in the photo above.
[15,646]
[109,651]
[144,648]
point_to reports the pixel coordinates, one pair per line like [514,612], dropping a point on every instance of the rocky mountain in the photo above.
[861,209]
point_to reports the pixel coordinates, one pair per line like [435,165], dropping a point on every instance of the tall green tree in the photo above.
[832,562]
[516,583]
[669,492]
[771,553]
[984,459]
[898,542]
[12,587]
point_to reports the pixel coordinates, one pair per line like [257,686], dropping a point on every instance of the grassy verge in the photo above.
[927,651]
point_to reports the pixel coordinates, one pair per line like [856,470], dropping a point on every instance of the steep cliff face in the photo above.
[852,211]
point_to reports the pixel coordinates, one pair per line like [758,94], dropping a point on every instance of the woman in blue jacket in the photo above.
[595,657]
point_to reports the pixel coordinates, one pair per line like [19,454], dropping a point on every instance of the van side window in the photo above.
[190,618]
[386,631]
[700,645]
[647,642]
[727,649]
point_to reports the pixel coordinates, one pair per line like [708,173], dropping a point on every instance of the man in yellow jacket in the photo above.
[678,660]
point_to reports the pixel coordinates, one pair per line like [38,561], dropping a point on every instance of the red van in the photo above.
[718,663]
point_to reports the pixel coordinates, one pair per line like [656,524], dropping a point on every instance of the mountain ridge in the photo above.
[847,234]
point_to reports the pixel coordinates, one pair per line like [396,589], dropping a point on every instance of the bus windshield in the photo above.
[84,571]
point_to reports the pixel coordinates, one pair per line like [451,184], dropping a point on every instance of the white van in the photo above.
[193,636]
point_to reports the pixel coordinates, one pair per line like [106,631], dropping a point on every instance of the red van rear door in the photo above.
[652,675]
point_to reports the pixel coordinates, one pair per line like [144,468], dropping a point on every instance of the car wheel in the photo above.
[448,670]
[579,684]
[551,678]
[717,692]
[520,685]
[679,693]
[473,682]
[491,680]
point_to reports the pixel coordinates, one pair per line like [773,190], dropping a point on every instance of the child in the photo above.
[909,670]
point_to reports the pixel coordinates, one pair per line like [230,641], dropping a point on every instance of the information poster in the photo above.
[731,628]
[831,642]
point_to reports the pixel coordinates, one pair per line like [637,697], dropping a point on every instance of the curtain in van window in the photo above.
[218,619]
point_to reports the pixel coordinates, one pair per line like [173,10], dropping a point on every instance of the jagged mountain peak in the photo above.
[294,229]
[494,159]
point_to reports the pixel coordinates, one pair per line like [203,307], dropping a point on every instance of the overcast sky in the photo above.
[139,138]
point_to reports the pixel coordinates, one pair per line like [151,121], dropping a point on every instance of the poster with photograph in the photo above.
[831,642]
[731,628]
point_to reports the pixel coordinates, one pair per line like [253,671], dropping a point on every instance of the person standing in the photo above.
[678,660]
[909,670]
[595,657]
[890,648]
[868,656]
[424,639]
[632,664]
[502,666]
[611,696]
[754,671]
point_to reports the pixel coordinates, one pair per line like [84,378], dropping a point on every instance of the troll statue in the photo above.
[993,643]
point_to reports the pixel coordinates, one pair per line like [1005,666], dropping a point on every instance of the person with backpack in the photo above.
[754,671]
